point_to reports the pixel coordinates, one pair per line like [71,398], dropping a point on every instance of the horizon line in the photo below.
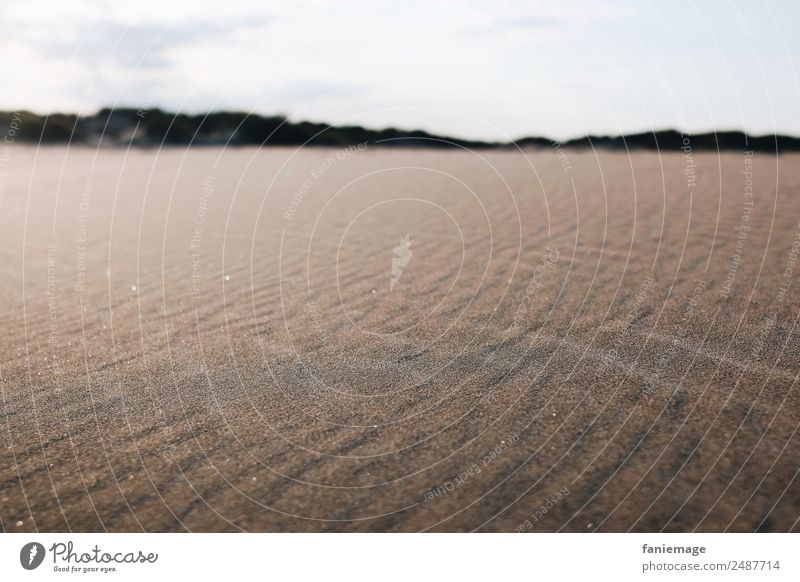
[781,140]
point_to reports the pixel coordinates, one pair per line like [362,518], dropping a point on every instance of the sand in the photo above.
[398,340]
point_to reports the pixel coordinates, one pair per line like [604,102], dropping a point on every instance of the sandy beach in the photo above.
[372,339]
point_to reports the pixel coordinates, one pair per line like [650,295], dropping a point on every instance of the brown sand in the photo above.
[254,372]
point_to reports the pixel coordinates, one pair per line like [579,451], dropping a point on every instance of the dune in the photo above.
[372,339]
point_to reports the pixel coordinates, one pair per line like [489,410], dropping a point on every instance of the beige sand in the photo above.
[560,349]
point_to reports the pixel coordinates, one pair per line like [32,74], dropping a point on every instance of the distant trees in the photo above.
[153,127]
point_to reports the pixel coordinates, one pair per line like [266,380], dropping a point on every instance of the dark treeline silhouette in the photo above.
[674,140]
[153,127]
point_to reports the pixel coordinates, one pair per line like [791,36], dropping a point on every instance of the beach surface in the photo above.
[371,339]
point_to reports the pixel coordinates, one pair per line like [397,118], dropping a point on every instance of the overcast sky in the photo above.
[480,69]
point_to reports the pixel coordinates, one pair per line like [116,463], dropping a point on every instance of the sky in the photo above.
[470,69]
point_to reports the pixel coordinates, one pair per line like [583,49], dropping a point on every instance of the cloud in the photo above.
[532,22]
[553,21]
[140,46]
